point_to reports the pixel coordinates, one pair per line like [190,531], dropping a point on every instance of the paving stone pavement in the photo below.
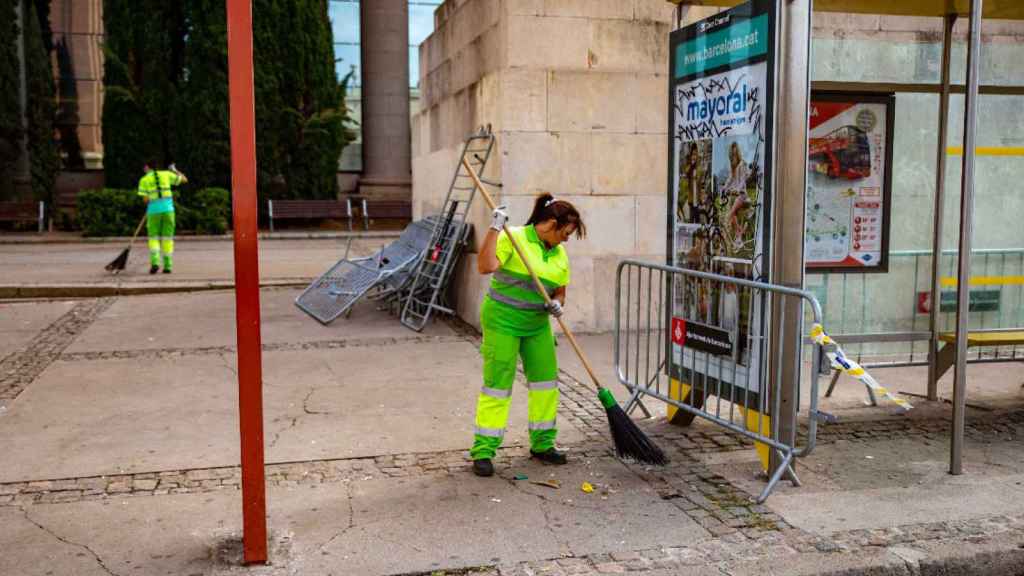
[718,554]
[19,368]
[740,530]
[708,498]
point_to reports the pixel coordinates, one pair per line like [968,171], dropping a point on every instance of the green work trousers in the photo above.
[160,229]
[500,353]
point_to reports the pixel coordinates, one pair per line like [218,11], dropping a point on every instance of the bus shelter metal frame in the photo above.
[949,10]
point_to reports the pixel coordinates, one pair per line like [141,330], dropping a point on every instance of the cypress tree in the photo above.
[40,108]
[314,120]
[302,124]
[37,129]
[144,51]
[202,140]
[67,118]
[10,104]
[268,62]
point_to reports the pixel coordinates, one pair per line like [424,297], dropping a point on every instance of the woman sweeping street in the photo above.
[515,325]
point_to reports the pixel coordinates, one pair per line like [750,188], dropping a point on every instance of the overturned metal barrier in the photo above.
[336,291]
[699,342]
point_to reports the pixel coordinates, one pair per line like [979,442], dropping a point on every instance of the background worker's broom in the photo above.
[630,441]
[118,264]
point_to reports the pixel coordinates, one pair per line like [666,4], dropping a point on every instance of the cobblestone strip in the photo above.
[980,427]
[717,553]
[1003,425]
[582,407]
[165,353]
[285,475]
[884,537]
[22,366]
[707,498]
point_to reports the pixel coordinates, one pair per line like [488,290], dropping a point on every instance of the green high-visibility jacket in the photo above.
[512,304]
[156,186]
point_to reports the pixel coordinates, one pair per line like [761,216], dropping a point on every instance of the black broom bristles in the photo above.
[630,440]
[119,263]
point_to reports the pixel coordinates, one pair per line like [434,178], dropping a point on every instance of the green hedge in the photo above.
[109,212]
[116,212]
[206,211]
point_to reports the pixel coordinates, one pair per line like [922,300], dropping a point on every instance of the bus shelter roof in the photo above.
[998,9]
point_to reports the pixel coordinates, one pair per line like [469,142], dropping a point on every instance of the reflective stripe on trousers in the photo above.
[160,229]
[501,353]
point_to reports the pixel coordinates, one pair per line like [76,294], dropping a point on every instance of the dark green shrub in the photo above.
[116,212]
[109,212]
[209,210]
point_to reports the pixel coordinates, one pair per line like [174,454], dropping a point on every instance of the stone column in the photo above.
[387,157]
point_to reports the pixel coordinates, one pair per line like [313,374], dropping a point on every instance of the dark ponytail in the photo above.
[547,208]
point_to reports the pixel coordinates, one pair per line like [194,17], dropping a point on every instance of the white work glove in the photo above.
[554,308]
[499,218]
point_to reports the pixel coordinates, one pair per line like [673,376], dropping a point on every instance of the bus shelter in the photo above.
[944,349]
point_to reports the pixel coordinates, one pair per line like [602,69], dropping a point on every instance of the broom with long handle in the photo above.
[118,264]
[630,441]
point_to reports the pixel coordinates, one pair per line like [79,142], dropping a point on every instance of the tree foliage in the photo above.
[41,104]
[143,52]
[10,102]
[302,124]
[201,137]
[34,132]
[67,117]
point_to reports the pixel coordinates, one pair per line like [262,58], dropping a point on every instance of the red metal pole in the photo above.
[247,279]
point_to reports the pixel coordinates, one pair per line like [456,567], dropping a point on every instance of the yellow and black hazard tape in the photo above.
[840,361]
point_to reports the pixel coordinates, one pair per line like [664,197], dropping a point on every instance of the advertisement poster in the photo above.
[720,110]
[848,182]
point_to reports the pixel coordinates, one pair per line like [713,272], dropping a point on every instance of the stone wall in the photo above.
[576,93]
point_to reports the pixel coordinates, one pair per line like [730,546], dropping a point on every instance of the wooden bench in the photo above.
[946,357]
[309,210]
[23,212]
[385,210]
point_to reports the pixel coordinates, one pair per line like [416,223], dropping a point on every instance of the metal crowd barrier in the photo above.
[724,387]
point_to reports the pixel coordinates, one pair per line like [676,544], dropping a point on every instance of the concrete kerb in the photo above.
[315,235]
[103,289]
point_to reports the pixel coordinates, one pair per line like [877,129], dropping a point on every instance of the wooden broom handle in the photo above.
[540,285]
[138,229]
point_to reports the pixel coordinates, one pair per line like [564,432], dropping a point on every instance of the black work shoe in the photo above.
[483,467]
[167,270]
[154,269]
[551,456]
